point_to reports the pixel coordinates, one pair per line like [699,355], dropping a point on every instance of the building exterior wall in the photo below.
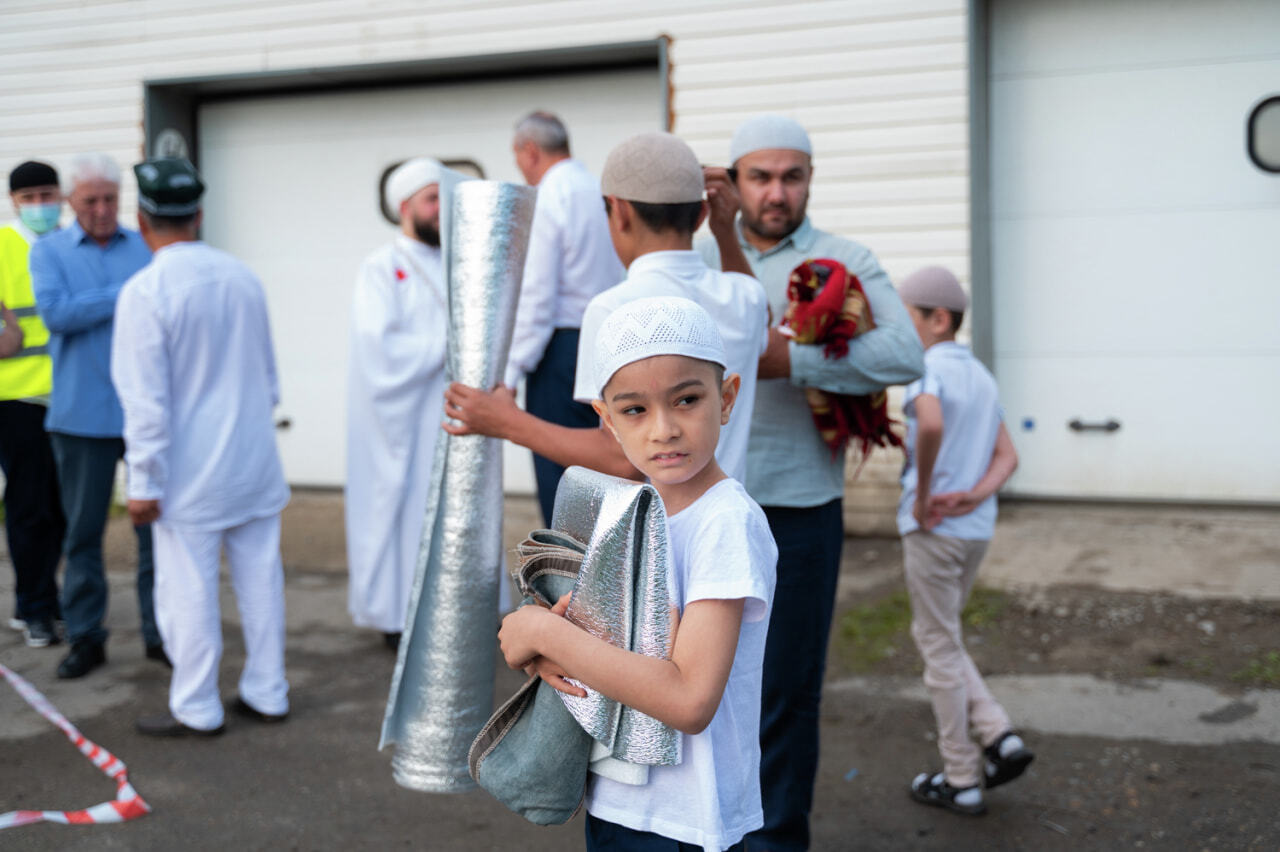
[882,86]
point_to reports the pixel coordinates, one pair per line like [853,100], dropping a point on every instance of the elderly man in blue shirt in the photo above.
[791,472]
[76,275]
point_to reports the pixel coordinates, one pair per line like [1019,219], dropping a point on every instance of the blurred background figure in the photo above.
[33,516]
[194,365]
[395,387]
[571,259]
[76,274]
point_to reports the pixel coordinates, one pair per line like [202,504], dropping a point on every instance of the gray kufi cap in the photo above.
[653,168]
[933,287]
[764,132]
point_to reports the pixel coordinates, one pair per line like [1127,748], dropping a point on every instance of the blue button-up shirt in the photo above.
[76,282]
[787,462]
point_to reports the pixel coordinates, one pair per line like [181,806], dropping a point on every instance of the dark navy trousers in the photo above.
[548,394]
[809,543]
[33,518]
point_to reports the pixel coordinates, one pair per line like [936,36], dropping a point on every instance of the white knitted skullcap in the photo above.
[409,177]
[653,168]
[763,132]
[658,325]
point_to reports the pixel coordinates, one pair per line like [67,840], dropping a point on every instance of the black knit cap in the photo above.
[32,173]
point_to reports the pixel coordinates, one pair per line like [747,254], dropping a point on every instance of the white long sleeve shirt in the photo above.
[570,260]
[193,364]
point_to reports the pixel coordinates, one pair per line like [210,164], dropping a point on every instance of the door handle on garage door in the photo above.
[1078,425]
[283,423]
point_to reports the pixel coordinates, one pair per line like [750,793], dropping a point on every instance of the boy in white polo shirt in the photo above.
[653,188]
[959,454]
[660,388]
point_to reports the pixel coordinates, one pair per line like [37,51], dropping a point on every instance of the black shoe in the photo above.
[391,640]
[934,790]
[1007,758]
[156,652]
[40,634]
[164,725]
[242,708]
[84,658]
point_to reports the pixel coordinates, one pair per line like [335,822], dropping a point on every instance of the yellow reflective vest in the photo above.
[29,373]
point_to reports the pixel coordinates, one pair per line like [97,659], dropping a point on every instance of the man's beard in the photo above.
[775,232]
[427,232]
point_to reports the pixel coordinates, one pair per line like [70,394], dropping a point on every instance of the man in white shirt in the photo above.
[193,365]
[395,378]
[570,260]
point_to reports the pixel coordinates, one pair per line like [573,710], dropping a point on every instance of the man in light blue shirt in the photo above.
[791,472]
[76,275]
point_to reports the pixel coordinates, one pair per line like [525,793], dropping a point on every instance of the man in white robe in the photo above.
[192,362]
[395,386]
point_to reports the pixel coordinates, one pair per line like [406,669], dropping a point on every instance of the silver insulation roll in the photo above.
[442,688]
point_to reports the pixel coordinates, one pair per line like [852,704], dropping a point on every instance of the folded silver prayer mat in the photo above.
[442,687]
[622,596]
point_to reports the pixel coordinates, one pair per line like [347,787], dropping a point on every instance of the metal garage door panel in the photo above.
[293,192]
[1135,266]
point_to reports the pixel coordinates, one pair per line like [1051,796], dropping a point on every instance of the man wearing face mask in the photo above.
[76,275]
[33,516]
[395,387]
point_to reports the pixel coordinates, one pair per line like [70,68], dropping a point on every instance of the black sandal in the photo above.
[934,790]
[1001,769]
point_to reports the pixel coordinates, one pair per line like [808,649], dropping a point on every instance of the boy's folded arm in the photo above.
[1004,461]
[683,692]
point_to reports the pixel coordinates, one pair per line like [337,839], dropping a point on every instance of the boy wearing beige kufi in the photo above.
[653,189]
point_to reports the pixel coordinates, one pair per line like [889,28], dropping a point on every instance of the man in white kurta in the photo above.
[395,383]
[192,362]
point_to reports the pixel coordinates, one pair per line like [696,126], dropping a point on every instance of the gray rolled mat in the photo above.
[442,687]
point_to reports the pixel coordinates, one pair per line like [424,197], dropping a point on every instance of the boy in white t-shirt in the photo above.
[661,391]
[958,455]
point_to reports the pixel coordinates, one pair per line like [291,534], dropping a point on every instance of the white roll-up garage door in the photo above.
[293,191]
[1136,248]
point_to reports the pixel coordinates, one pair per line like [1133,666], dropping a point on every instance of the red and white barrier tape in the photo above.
[127,804]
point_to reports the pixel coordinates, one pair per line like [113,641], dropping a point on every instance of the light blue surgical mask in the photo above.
[40,217]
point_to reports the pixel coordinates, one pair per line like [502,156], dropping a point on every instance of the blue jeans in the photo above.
[548,394]
[603,835]
[33,512]
[809,543]
[86,475]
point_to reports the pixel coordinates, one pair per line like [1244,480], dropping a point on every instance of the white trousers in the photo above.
[940,572]
[190,621]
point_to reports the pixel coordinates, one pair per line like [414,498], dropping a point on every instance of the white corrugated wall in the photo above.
[882,85]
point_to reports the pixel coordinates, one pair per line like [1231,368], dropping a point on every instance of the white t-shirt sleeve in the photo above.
[730,555]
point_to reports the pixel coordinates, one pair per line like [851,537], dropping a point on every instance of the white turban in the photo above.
[763,132]
[409,177]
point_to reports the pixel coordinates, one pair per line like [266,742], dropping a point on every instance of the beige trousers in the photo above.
[940,571]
